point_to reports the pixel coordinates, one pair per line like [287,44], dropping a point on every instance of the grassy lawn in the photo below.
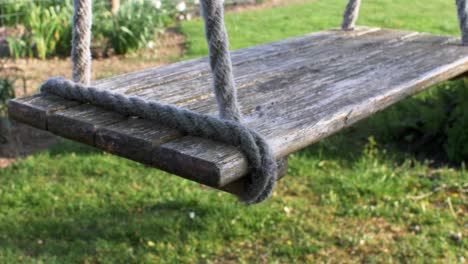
[354,197]
[251,28]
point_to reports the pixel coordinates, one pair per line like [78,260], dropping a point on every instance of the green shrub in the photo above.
[18,47]
[13,12]
[9,79]
[49,29]
[7,91]
[434,122]
[48,32]
[132,27]
[456,145]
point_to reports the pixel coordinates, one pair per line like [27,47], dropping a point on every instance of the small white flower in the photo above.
[151,45]
[287,210]
[181,6]
[157,4]
[191,215]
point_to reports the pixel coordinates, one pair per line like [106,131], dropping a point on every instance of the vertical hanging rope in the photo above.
[463,19]
[81,41]
[220,59]
[351,15]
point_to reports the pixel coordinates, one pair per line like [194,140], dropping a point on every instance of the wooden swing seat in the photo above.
[294,92]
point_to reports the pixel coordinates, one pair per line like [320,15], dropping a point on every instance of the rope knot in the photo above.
[262,164]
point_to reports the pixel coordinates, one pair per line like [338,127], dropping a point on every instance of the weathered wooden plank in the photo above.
[34,109]
[137,147]
[247,74]
[258,106]
[225,168]
[199,67]
[267,84]
[345,102]
[174,87]
[294,92]
[138,140]
[80,123]
[198,165]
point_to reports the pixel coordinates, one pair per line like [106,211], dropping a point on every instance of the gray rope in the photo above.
[81,41]
[462,10]
[263,173]
[220,59]
[263,168]
[351,15]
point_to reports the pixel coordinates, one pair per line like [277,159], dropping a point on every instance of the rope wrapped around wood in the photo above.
[262,164]
[263,167]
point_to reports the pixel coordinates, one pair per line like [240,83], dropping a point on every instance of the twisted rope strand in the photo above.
[351,15]
[462,11]
[220,59]
[263,173]
[81,41]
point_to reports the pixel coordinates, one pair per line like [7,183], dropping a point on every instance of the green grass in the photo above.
[346,199]
[251,28]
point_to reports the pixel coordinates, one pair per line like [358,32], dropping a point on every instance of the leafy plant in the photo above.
[9,77]
[456,145]
[434,122]
[48,31]
[50,27]
[15,12]
[132,27]
[18,46]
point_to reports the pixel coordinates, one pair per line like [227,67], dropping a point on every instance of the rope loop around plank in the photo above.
[227,128]
[262,164]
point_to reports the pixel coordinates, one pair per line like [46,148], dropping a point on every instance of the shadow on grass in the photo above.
[76,235]
[65,146]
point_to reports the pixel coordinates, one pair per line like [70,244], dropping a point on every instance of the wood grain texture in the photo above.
[34,110]
[294,92]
